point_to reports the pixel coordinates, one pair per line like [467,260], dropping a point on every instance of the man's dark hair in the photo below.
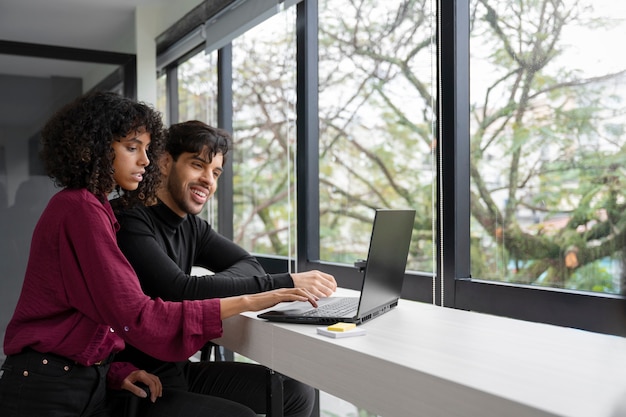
[197,137]
[77,149]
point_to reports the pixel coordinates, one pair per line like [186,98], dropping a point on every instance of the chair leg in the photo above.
[274,395]
[205,352]
[220,354]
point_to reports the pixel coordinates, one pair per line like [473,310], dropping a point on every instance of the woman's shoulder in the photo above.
[76,207]
[75,199]
[75,194]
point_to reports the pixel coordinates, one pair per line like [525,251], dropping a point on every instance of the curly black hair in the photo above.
[77,143]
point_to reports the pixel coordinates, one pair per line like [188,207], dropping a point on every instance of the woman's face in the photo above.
[131,159]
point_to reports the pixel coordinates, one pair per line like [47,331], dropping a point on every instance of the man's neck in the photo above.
[166,199]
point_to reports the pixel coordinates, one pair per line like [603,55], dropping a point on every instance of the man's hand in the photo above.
[316,282]
[152,382]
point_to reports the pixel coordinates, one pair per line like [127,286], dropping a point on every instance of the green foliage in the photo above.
[592,277]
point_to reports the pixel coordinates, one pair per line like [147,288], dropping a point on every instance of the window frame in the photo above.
[125,75]
[603,313]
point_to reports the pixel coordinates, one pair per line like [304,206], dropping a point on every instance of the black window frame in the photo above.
[603,313]
[126,75]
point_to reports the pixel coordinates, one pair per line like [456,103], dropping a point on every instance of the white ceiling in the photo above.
[106,25]
[91,24]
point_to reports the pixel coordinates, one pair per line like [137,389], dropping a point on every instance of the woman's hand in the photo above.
[152,382]
[231,306]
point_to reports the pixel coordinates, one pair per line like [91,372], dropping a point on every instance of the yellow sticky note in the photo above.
[341,327]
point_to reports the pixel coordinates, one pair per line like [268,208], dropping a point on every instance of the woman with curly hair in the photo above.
[81,299]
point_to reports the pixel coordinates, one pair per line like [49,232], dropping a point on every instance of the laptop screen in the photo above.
[386,261]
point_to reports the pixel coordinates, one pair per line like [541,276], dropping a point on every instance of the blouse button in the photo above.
[126,328]
[111,329]
[45,361]
[25,373]
[66,368]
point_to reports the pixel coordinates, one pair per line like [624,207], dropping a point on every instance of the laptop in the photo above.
[382,279]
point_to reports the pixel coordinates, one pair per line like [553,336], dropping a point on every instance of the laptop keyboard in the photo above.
[343,307]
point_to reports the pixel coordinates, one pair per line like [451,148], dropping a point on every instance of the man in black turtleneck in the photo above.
[163,242]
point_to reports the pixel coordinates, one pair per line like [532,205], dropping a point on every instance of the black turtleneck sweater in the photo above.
[162,247]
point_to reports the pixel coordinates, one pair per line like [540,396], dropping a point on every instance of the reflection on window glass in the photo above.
[376,122]
[197,88]
[161,104]
[264,68]
[548,94]
[197,100]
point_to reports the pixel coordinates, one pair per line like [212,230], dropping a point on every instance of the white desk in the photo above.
[424,360]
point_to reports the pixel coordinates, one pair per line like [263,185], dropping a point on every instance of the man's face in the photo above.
[190,181]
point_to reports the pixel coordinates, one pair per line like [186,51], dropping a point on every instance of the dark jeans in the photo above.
[37,384]
[211,389]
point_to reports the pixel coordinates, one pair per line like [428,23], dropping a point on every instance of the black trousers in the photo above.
[211,389]
[38,384]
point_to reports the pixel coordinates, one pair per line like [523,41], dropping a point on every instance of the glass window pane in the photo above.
[376,102]
[548,92]
[197,100]
[197,88]
[161,104]
[264,68]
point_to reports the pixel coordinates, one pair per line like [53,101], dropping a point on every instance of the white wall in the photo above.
[150,22]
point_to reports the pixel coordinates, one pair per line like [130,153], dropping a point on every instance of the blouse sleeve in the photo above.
[101,284]
[118,371]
